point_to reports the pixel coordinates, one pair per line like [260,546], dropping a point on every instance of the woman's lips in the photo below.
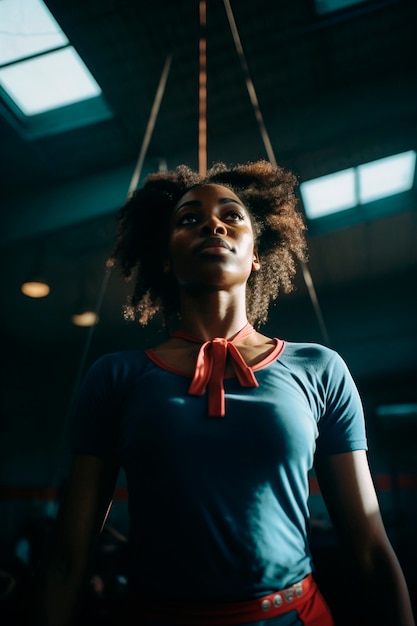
[216,243]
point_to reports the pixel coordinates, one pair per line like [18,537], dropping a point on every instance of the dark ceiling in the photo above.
[334,92]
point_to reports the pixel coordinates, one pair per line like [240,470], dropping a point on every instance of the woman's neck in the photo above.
[212,315]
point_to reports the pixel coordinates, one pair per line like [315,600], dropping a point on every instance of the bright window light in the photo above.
[386,177]
[27,28]
[330,6]
[361,185]
[39,70]
[48,81]
[329,194]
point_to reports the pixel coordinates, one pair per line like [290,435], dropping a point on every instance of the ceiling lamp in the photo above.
[35,288]
[85,318]
[85,312]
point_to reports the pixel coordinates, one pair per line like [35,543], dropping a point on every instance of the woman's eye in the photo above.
[187,218]
[235,216]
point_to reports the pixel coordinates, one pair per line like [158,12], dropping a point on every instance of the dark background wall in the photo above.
[335,91]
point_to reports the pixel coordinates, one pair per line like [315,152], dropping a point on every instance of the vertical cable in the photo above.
[132,186]
[202,94]
[249,84]
[151,125]
[315,302]
[271,156]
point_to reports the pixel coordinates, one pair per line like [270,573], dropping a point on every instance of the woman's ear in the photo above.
[255,262]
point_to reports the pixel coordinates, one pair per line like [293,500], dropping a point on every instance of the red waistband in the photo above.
[191,613]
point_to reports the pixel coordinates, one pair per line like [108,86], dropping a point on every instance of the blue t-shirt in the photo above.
[219,506]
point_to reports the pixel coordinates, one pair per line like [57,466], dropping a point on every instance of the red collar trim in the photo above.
[210,366]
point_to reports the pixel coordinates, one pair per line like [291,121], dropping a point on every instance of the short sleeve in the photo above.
[342,424]
[95,414]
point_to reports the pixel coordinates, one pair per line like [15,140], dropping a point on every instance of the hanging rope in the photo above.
[308,279]
[249,84]
[150,126]
[202,94]
[271,156]
[109,266]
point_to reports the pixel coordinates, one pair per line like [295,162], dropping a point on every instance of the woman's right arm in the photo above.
[81,517]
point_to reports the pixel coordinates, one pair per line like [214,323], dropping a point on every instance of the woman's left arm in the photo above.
[349,494]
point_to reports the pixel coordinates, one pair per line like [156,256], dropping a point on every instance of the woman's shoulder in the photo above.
[118,363]
[120,357]
[313,354]
[318,362]
[308,349]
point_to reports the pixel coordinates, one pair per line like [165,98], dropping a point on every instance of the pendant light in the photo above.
[36,285]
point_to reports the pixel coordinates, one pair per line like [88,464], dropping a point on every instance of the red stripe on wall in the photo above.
[383,483]
[390,482]
[44,494]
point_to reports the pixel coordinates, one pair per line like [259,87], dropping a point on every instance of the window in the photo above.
[386,177]
[41,72]
[358,186]
[329,194]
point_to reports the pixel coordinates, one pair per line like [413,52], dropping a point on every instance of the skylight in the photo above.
[27,28]
[386,177]
[40,71]
[357,186]
[49,81]
[330,6]
[329,194]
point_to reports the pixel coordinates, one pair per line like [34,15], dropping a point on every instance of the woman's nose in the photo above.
[212,225]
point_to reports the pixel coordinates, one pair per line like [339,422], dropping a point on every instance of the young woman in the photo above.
[218,427]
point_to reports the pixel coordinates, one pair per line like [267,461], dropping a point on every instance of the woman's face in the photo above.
[211,242]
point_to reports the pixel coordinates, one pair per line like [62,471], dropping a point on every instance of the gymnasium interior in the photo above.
[325,88]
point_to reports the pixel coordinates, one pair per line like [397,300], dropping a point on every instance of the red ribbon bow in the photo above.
[210,366]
